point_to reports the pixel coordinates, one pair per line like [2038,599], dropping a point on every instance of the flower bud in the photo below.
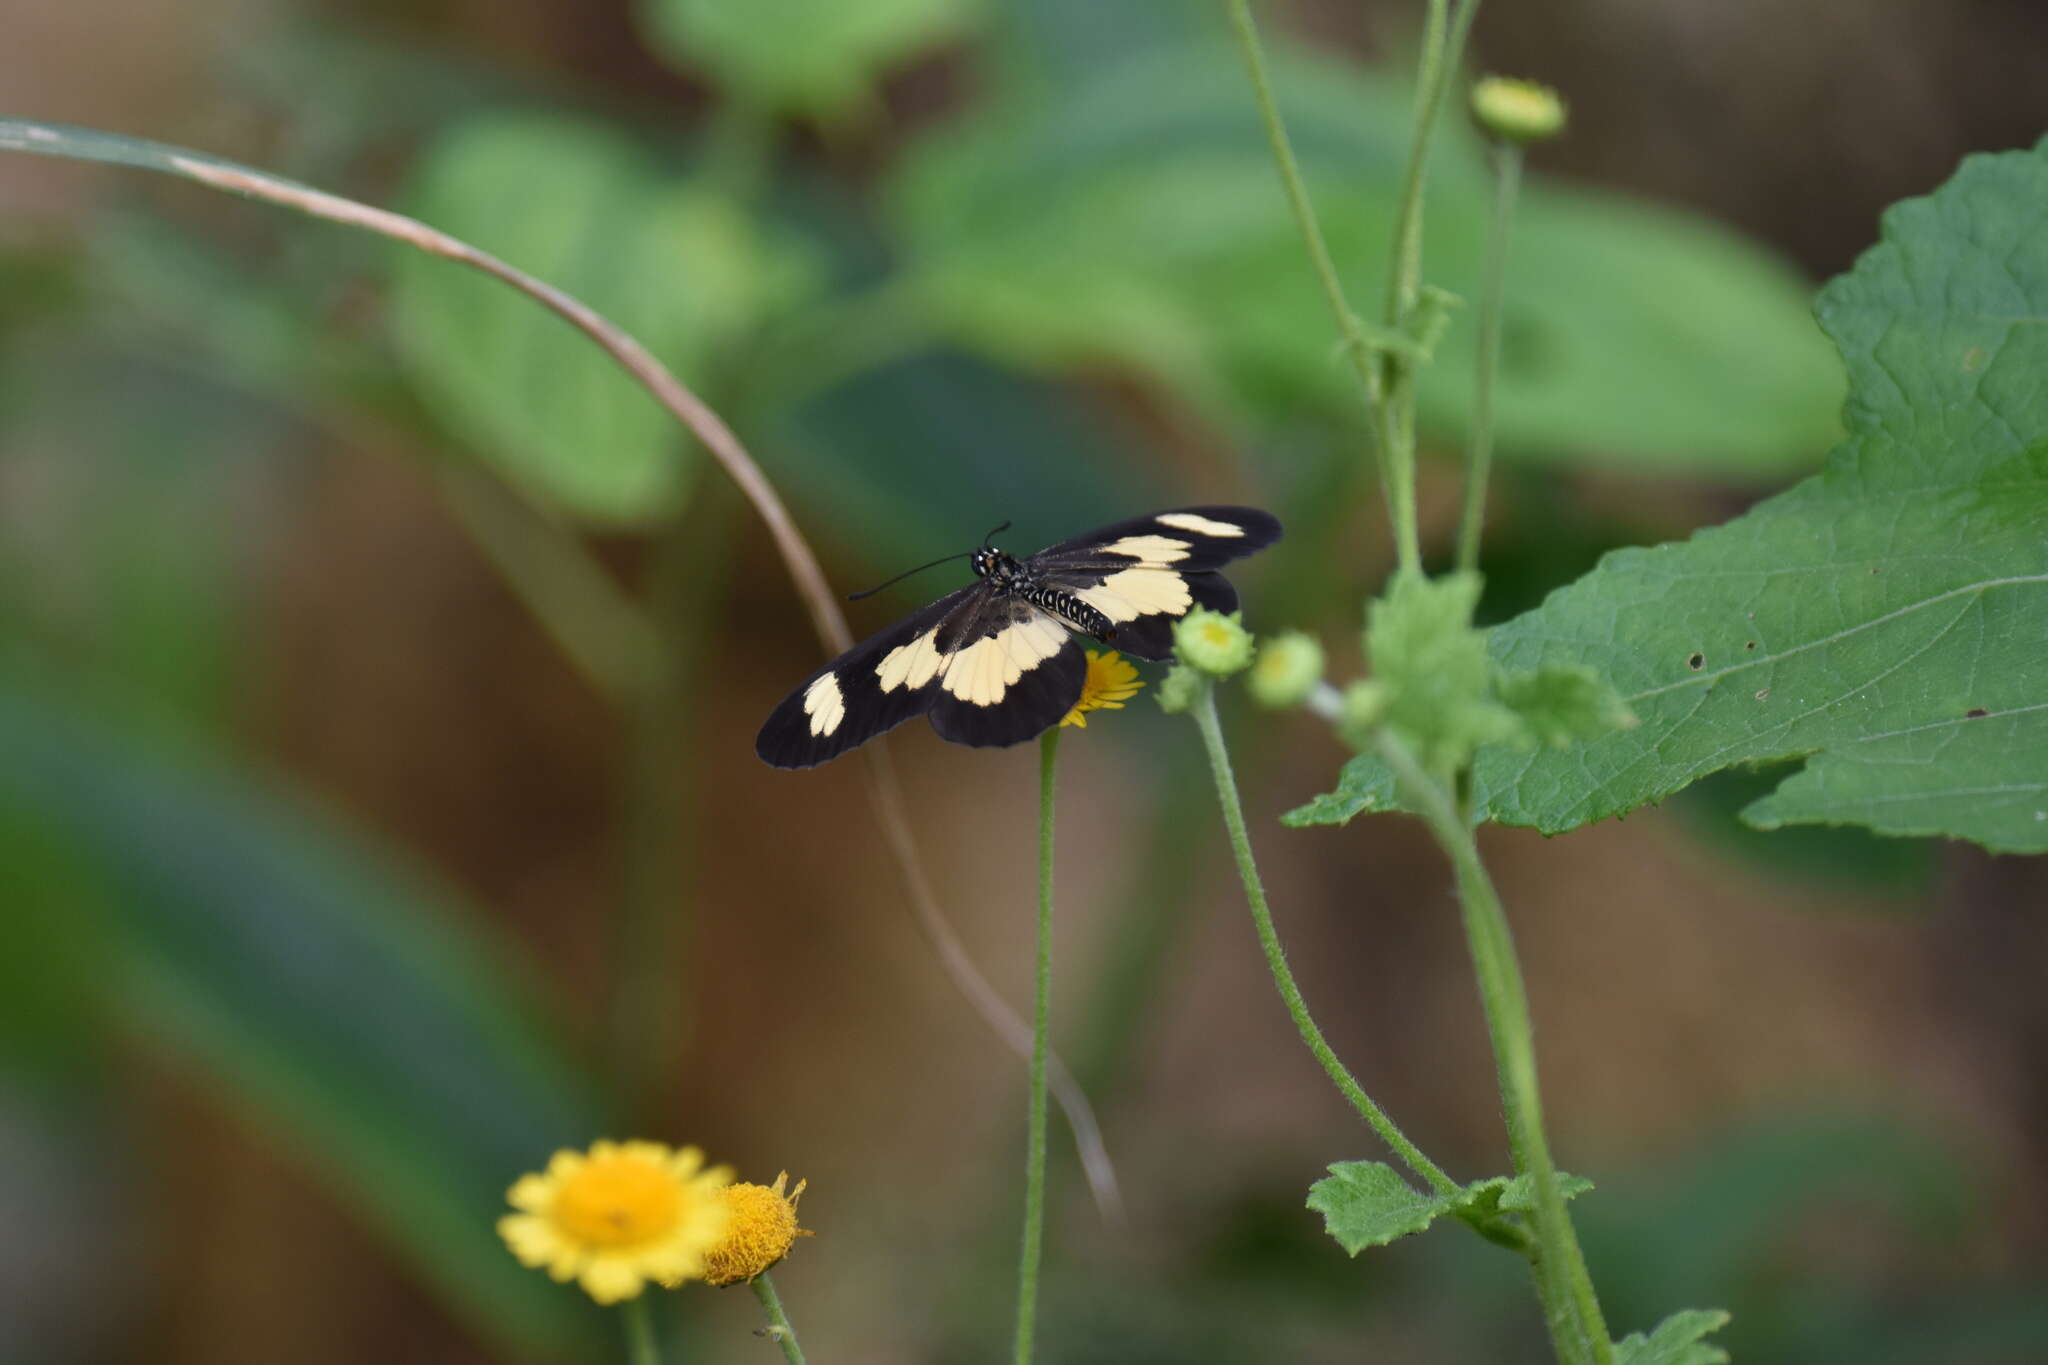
[1517,111]
[1216,644]
[1288,669]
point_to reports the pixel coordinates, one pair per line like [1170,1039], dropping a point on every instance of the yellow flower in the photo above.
[1111,682]
[617,1216]
[762,1230]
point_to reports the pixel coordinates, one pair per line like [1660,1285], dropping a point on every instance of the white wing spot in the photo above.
[1201,526]
[1152,549]
[824,704]
[983,673]
[1131,593]
[912,665]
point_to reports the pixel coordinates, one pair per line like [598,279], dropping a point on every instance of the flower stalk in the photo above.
[641,1347]
[1033,1250]
[1507,177]
[778,1320]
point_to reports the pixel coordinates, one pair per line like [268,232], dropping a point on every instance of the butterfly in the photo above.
[1000,661]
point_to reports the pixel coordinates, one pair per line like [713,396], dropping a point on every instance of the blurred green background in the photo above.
[335,895]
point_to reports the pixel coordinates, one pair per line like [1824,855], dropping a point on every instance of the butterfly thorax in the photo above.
[1010,577]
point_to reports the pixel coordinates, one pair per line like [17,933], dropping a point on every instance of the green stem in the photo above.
[1204,712]
[1507,175]
[778,1321]
[640,1345]
[1034,1159]
[1578,1330]
[1397,481]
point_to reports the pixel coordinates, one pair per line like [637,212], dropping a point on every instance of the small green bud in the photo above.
[1216,644]
[1288,669]
[1365,705]
[1517,111]
[1180,689]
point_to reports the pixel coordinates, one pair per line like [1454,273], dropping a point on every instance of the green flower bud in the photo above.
[1517,111]
[1365,705]
[1181,689]
[1218,645]
[1288,669]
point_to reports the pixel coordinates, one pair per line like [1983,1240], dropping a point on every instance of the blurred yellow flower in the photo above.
[761,1231]
[1111,682]
[617,1216]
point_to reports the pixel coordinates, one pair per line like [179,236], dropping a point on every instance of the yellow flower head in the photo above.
[1518,111]
[761,1232]
[619,1215]
[1111,682]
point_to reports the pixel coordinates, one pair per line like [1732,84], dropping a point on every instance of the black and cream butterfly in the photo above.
[998,661]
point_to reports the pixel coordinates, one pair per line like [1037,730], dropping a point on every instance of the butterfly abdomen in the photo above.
[1068,608]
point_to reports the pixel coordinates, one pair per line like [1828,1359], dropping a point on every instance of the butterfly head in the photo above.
[999,569]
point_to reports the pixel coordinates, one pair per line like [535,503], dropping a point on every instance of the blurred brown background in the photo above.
[1806,1069]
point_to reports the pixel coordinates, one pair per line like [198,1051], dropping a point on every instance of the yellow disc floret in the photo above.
[760,1232]
[1111,682]
[617,1216]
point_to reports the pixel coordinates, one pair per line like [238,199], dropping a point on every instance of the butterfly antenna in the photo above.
[856,596]
[993,534]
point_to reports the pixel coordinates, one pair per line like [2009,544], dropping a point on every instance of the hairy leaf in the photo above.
[1676,1341]
[1369,1204]
[1886,619]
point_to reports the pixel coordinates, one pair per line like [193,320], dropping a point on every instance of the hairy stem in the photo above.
[1204,712]
[778,1320]
[1397,482]
[1507,175]
[1578,1330]
[1034,1156]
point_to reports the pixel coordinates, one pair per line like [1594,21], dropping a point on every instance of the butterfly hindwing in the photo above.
[1010,675]
[873,687]
[1146,573]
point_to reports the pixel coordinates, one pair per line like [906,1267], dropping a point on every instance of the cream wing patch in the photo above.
[984,672]
[912,665]
[1201,526]
[1152,549]
[1131,593]
[825,704]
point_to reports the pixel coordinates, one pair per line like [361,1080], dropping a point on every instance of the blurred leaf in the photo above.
[1886,619]
[1136,219]
[806,56]
[1430,672]
[1369,1204]
[1562,704]
[1844,856]
[1519,1194]
[578,206]
[340,997]
[1676,1341]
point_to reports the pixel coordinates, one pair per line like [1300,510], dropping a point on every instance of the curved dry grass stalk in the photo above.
[84,144]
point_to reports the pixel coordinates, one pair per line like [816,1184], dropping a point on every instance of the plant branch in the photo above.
[1577,1327]
[1204,712]
[1507,175]
[641,1348]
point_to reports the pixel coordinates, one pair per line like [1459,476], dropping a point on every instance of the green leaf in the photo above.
[1519,1194]
[1134,219]
[1676,1341]
[344,1001]
[1432,682]
[682,269]
[1563,704]
[805,56]
[1369,1204]
[1884,620]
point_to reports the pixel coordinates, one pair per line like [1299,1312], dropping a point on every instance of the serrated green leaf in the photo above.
[1562,704]
[1134,219]
[1886,619]
[1369,1204]
[1500,1194]
[1676,1341]
[805,56]
[341,999]
[682,269]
